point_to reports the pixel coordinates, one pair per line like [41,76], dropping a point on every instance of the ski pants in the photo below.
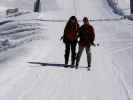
[70,46]
[80,50]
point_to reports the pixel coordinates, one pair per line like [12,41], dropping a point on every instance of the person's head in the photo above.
[85,20]
[73,19]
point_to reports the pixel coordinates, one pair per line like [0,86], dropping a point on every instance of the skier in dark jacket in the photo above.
[70,39]
[86,39]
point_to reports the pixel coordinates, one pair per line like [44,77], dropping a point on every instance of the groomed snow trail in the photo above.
[22,81]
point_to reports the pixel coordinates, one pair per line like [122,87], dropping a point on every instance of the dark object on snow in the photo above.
[37,6]
[5,22]
[131,6]
[86,39]
[11,11]
[5,42]
[70,39]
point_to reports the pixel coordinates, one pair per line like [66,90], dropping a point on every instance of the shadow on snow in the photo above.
[54,64]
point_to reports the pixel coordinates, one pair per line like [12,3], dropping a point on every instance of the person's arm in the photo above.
[93,36]
[65,30]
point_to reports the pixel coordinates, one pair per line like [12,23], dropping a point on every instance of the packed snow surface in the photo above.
[33,37]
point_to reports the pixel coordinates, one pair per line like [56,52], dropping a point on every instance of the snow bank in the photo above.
[21,4]
[16,31]
[115,7]
[121,8]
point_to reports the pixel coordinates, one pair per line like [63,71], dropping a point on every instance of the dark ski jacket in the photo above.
[86,35]
[70,32]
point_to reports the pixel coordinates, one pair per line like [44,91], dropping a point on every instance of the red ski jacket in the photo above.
[70,32]
[86,35]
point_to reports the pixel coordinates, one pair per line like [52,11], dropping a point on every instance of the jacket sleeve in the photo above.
[93,33]
[92,36]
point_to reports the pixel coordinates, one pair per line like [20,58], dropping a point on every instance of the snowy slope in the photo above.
[121,7]
[16,31]
[111,74]
[22,4]
[26,6]
[124,4]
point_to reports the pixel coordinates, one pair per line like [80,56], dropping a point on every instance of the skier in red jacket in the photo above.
[70,39]
[86,39]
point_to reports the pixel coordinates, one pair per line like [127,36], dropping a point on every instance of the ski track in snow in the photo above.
[108,79]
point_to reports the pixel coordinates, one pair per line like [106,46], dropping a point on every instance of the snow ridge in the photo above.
[118,10]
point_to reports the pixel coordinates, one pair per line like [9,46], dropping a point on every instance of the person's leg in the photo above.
[73,56]
[88,52]
[80,50]
[67,51]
